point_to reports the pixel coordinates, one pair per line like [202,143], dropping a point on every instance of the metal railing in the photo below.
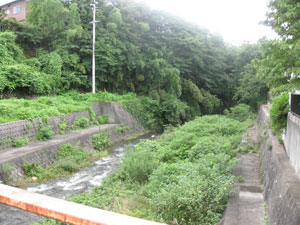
[295,104]
[68,212]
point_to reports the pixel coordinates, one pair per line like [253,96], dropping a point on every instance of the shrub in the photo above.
[146,111]
[62,127]
[28,125]
[185,193]
[92,115]
[101,141]
[44,133]
[103,119]
[241,112]
[19,142]
[70,159]
[279,112]
[121,129]
[33,170]
[138,165]
[69,150]
[82,122]
[68,164]
[6,170]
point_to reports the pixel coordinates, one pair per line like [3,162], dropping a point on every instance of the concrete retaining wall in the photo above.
[292,141]
[29,128]
[281,184]
[43,153]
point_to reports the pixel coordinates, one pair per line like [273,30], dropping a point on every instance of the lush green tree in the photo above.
[280,58]
[253,89]
[283,17]
[151,53]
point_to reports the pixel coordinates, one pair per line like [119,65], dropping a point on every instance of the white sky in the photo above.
[236,20]
[2,2]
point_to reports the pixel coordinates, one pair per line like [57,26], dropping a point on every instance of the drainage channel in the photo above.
[64,188]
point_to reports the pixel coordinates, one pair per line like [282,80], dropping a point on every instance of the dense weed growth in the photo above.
[183,177]
[101,141]
[22,109]
[279,112]
[70,159]
[151,113]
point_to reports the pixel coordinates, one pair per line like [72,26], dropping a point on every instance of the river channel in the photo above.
[64,188]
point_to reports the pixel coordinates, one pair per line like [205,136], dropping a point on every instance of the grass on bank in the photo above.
[153,114]
[183,177]
[22,109]
[70,159]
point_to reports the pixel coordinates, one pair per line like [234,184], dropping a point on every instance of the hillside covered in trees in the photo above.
[167,71]
[185,69]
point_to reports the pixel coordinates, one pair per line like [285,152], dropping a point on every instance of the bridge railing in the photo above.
[68,212]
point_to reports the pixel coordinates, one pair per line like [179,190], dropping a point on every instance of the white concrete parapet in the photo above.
[292,141]
[64,211]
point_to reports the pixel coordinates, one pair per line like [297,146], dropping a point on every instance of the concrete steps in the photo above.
[246,205]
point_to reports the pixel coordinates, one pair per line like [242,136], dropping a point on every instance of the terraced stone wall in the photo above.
[29,128]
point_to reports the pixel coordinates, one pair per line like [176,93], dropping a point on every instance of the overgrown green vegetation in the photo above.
[45,132]
[103,119]
[69,160]
[19,109]
[82,122]
[62,127]
[185,70]
[101,141]
[20,142]
[183,177]
[121,129]
[240,112]
[149,112]
[279,62]
[279,112]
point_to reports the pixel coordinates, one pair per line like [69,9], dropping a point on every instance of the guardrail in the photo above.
[68,212]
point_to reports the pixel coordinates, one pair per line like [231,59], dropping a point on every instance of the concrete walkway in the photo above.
[246,205]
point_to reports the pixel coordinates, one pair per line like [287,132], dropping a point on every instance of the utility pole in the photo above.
[93,5]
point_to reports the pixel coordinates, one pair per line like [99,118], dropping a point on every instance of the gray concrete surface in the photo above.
[292,141]
[44,152]
[281,184]
[29,128]
[246,205]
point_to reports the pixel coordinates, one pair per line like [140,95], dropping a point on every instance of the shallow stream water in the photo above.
[64,188]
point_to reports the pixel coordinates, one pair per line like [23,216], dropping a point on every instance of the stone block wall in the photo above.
[45,152]
[281,184]
[29,128]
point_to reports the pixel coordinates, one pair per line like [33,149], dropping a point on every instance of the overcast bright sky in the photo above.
[235,20]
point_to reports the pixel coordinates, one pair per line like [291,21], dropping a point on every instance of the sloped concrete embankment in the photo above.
[44,152]
[281,184]
[29,128]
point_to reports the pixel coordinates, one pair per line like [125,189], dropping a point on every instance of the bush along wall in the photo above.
[279,112]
